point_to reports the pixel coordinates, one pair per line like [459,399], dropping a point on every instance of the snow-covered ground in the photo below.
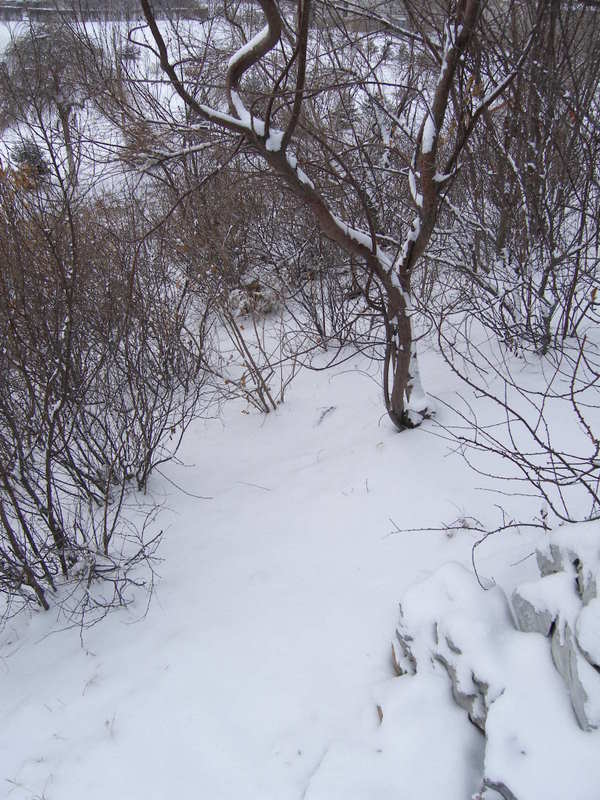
[6,31]
[263,669]
[258,670]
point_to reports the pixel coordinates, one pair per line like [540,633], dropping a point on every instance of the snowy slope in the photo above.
[258,667]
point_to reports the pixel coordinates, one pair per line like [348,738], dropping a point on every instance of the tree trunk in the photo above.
[64,114]
[405,400]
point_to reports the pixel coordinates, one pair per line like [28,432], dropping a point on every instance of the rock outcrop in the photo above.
[516,686]
[563,605]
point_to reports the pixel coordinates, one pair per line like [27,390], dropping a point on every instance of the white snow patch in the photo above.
[429,134]
[416,196]
[259,667]
[257,670]
[359,236]
[273,143]
[256,41]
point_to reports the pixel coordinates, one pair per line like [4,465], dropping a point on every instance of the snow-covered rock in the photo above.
[563,604]
[580,677]
[517,687]
[574,548]
[443,620]
[533,607]
[587,631]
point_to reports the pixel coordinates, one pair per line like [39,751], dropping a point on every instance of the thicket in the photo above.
[99,382]
[162,253]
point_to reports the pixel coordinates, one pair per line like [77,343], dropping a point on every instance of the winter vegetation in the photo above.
[299,321]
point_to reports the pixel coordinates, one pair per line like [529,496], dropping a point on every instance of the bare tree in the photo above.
[510,279]
[365,128]
[45,74]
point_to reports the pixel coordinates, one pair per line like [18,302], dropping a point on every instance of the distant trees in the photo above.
[44,73]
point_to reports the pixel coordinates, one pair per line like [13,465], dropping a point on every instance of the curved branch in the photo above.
[231,123]
[250,54]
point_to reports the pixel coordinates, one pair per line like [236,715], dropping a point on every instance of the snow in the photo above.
[254,43]
[414,753]
[361,237]
[265,653]
[411,237]
[302,176]
[533,745]
[266,648]
[262,667]
[536,741]
[582,539]
[364,239]
[274,140]
[412,183]
[244,115]
[241,110]
[554,594]
[5,36]
[418,403]
[429,134]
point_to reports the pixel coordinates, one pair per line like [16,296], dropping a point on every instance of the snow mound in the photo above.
[508,680]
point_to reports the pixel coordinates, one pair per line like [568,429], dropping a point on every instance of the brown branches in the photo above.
[99,383]
[249,55]
[304,11]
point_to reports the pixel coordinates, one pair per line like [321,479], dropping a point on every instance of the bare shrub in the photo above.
[520,248]
[99,382]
